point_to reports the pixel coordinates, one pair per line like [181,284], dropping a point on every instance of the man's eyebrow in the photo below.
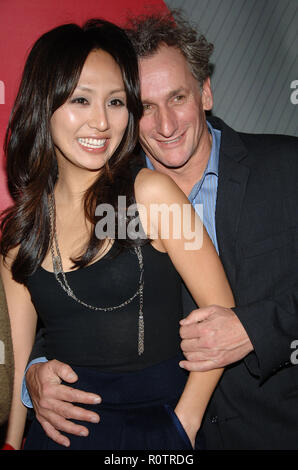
[177,92]
[169,95]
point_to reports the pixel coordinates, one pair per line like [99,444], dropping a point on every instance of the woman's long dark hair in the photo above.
[50,76]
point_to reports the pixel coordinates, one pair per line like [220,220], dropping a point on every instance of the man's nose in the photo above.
[166,122]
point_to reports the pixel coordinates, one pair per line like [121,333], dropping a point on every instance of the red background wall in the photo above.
[23,21]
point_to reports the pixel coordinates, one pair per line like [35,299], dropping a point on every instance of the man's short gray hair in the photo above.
[149,32]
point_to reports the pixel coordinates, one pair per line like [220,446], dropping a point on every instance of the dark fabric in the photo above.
[80,336]
[137,411]
[39,348]
[255,405]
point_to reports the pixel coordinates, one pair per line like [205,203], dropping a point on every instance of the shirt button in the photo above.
[214,419]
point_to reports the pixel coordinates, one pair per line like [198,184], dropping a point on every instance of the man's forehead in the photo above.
[164,55]
[162,92]
[165,74]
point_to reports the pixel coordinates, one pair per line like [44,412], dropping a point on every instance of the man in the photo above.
[248,185]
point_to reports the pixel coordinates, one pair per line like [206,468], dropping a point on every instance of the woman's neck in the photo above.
[71,188]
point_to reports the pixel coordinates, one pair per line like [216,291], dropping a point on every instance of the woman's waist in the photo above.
[156,384]
[118,354]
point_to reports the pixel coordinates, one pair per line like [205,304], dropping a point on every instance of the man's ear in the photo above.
[207,96]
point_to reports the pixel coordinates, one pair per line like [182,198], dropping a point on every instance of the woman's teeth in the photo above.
[92,143]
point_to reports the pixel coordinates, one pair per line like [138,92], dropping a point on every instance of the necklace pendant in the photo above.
[141,334]
[56,265]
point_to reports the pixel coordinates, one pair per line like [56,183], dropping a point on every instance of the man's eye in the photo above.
[79,100]
[146,107]
[179,97]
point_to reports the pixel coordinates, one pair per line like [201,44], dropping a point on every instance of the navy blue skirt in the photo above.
[136,412]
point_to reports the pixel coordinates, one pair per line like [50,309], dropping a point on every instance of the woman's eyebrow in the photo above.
[90,90]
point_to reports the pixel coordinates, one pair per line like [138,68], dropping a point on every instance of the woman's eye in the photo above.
[146,107]
[116,102]
[79,100]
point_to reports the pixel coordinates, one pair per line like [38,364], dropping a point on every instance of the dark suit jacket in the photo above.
[255,405]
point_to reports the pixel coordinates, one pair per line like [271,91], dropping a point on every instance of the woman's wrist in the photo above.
[190,421]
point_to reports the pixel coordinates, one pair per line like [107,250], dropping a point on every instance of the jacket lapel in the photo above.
[232,182]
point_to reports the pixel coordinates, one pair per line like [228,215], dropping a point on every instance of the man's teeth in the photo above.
[171,141]
[92,143]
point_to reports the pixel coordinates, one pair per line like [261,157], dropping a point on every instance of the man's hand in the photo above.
[212,337]
[52,401]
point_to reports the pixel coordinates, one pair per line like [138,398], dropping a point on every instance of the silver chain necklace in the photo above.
[58,271]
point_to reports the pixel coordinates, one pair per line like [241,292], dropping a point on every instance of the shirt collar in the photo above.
[212,165]
[148,162]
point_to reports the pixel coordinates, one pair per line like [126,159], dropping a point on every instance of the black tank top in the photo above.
[81,336]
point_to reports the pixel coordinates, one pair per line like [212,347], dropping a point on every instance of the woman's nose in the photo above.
[99,119]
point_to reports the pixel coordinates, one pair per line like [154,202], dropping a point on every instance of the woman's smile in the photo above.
[93,145]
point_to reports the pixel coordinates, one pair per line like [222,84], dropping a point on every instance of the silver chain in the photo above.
[58,271]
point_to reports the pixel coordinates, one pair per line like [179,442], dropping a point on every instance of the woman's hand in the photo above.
[190,425]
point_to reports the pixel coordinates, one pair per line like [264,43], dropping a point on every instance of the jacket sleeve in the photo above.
[272,326]
[271,321]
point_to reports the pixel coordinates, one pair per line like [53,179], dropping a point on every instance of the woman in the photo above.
[69,150]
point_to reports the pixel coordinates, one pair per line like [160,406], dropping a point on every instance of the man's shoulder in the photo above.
[267,139]
[272,152]
[258,146]
[270,142]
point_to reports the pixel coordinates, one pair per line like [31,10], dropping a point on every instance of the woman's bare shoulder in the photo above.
[153,186]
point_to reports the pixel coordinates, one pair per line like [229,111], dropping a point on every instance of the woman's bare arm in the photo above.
[23,320]
[198,264]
